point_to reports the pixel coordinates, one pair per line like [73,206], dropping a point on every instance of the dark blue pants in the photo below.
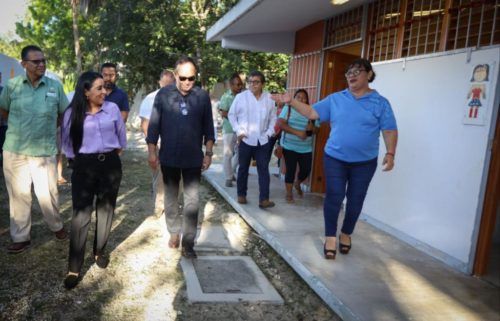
[349,180]
[262,156]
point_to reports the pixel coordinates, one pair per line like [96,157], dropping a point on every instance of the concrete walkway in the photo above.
[381,279]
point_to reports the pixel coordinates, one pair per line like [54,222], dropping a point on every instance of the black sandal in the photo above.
[345,248]
[329,254]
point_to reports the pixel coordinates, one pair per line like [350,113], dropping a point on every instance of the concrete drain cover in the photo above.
[227,279]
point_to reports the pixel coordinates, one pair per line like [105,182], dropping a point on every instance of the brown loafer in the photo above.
[61,234]
[242,199]
[266,204]
[18,247]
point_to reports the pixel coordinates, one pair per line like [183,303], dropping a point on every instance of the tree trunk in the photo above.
[76,36]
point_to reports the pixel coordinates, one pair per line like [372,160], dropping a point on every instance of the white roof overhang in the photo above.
[270,25]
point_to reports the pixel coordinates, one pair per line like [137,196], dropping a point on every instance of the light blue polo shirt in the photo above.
[355,124]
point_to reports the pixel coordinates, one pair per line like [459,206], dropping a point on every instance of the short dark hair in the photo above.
[365,64]
[185,60]
[109,65]
[166,72]
[234,77]
[257,73]
[26,50]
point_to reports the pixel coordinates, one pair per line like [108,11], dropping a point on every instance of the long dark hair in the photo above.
[79,105]
[304,92]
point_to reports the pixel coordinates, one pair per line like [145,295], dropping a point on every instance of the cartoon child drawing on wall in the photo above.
[477,89]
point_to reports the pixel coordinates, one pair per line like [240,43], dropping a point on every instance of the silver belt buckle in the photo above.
[101,157]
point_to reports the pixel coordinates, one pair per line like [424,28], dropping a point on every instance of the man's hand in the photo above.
[207,160]
[285,98]
[388,162]
[153,161]
[240,138]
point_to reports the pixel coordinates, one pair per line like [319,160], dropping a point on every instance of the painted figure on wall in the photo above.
[477,89]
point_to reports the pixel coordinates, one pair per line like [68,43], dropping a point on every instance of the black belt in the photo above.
[99,156]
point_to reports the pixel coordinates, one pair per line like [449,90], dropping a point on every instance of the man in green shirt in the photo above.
[31,103]
[229,136]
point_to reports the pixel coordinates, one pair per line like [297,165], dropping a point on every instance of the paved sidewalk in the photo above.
[381,279]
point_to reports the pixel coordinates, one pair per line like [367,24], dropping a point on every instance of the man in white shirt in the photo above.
[166,78]
[253,116]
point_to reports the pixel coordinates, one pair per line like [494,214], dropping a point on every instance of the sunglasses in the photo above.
[192,78]
[37,62]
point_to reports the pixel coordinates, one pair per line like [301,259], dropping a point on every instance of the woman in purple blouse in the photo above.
[93,134]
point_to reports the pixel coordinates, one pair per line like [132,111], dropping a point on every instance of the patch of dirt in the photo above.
[144,280]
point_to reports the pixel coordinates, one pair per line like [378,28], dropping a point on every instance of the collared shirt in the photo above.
[183,123]
[355,124]
[3,122]
[103,131]
[32,122]
[225,104]
[299,122]
[119,97]
[147,105]
[253,117]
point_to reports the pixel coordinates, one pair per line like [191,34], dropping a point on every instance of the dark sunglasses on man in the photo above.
[192,78]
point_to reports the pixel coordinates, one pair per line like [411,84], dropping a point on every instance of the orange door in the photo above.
[334,67]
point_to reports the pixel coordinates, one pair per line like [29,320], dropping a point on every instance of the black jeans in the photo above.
[93,178]
[291,160]
[262,156]
[191,180]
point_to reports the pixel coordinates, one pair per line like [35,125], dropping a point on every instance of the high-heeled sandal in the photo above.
[345,248]
[329,254]
[71,281]
[298,189]
[289,199]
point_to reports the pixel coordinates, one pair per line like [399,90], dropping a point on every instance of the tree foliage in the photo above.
[143,37]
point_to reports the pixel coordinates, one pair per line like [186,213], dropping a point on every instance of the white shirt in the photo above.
[253,118]
[147,105]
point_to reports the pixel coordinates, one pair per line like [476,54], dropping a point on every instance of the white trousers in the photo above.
[158,191]
[21,172]
[230,155]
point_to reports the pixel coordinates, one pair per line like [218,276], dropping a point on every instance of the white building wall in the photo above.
[433,198]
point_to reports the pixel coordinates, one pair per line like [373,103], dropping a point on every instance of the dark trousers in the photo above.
[191,183]
[262,156]
[345,179]
[291,160]
[3,130]
[99,180]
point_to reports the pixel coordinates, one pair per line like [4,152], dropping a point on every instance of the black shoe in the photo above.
[102,261]
[188,253]
[345,248]
[71,281]
[329,254]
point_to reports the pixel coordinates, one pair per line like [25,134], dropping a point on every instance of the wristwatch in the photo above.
[209,153]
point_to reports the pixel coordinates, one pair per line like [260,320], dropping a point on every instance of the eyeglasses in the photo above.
[253,82]
[37,62]
[192,78]
[353,72]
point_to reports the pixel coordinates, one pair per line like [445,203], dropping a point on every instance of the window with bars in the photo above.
[383,23]
[473,23]
[303,73]
[344,28]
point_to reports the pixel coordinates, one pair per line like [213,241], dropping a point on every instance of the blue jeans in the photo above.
[345,179]
[262,156]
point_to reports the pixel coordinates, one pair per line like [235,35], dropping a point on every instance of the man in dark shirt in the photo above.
[182,117]
[113,93]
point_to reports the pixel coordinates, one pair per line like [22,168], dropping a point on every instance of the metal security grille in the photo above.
[344,28]
[303,73]
[473,23]
[383,23]
[422,27]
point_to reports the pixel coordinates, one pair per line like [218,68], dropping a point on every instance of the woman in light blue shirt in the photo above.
[356,115]
[296,141]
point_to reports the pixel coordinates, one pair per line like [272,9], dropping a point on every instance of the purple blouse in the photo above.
[103,131]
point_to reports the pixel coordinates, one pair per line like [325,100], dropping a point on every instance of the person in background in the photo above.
[253,116]
[357,115]
[32,103]
[3,125]
[182,118]
[114,94]
[93,134]
[166,78]
[229,137]
[296,140]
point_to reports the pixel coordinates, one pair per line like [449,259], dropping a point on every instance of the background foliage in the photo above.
[142,36]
